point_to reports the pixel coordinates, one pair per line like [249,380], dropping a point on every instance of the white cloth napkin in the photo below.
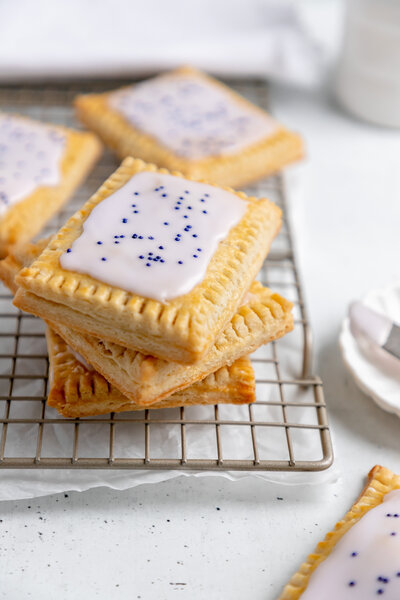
[78,38]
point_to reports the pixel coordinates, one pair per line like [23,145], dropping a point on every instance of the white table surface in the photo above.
[212,538]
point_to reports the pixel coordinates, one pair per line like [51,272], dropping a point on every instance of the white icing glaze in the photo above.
[30,155]
[155,236]
[190,116]
[365,563]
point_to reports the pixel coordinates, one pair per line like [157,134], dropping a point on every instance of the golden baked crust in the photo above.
[181,330]
[24,219]
[381,481]
[75,391]
[145,379]
[255,161]
[19,255]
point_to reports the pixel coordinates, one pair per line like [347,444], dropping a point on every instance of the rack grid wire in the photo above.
[285,382]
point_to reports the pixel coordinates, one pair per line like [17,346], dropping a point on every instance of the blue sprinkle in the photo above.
[103,258]
[135,212]
[121,236]
[116,242]
[194,235]
[115,236]
[164,195]
[150,254]
[354,554]
[150,237]
[202,200]
[198,249]
[195,256]
[156,189]
[158,257]
[141,256]
[189,226]
[148,265]
[189,208]
[177,208]
[140,237]
[398,574]
[186,191]
[179,203]
[161,247]
[133,205]
[181,198]
[177,239]
[207,195]
[134,236]
[162,260]
[388,515]
[166,223]
[161,187]
[204,212]
[99,243]
[125,220]
[69,250]
[185,217]
[380,591]
[396,516]
[393,533]
[136,193]
[180,262]
[352,583]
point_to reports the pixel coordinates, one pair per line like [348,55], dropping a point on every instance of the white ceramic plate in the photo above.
[375,372]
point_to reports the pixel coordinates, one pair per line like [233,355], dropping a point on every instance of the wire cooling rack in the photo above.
[285,430]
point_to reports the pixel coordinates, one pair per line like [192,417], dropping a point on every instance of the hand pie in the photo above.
[360,558]
[77,390]
[41,165]
[189,249]
[186,121]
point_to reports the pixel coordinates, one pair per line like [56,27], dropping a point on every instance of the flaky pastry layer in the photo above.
[145,379]
[253,162]
[181,330]
[24,219]
[381,481]
[75,391]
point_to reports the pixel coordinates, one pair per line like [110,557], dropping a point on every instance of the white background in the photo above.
[208,537]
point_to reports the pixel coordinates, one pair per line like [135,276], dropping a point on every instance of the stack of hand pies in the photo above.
[149,291]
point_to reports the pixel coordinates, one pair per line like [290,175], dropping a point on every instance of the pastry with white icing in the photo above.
[187,121]
[360,558]
[154,262]
[41,165]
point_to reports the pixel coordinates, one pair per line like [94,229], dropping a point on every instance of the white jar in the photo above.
[368,77]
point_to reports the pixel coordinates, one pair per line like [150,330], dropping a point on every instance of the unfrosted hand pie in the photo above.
[145,379]
[41,165]
[186,121]
[77,390]
[360,558]
[153,261]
